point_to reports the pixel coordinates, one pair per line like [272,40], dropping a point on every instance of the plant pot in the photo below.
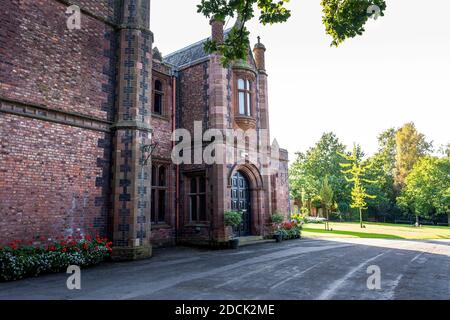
[278,237]
[234,243]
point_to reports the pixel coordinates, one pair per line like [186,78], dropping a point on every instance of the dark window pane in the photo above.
[158,85]
[162,206]
[154,177]
[202,207]
[157,105]
[162,176]
[193,207]
[202,185]
[152,204]
[194,185]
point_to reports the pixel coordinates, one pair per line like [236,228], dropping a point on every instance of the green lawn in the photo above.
[376,230]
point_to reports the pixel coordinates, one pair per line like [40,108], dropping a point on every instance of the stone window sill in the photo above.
[161,226]
[159,116]
[197,225]
[245,122]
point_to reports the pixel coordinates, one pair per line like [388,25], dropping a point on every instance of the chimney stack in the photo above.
[259,52]
[217,30]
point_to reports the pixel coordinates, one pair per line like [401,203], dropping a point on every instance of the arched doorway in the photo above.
[240,201]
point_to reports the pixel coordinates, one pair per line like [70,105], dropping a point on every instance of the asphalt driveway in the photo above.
[297,269]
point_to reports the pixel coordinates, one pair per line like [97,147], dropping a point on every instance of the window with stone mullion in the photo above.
[159,194]
[197,199]
[244,97]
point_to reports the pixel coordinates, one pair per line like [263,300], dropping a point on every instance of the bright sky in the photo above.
[398,71]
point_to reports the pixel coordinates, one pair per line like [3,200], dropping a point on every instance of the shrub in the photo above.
[232,218]
[300,219]
[277,218]
[19,260]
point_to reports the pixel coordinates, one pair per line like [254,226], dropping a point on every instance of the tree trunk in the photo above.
[328,219]
[449,219]
[360,217]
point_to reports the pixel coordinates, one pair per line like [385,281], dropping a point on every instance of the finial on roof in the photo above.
[157,54]
[259,44]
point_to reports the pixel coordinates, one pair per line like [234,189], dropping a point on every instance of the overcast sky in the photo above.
[398,71]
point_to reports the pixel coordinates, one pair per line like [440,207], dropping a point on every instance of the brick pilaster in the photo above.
[131,198]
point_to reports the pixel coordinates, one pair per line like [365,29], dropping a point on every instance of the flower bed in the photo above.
[19,260]
[289,229]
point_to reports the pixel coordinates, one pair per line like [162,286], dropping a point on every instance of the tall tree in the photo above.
[309,169]
[381,168]
[327,198]
[427,188]
[410,147]
[342,19]
[387,149]
[355,172]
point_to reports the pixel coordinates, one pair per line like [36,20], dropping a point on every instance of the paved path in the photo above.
[298,269]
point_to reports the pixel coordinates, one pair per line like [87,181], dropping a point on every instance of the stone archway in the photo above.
[255,197]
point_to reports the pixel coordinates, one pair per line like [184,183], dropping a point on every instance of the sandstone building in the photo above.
[82,110]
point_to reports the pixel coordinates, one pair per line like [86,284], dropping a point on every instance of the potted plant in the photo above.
[277,219]
[233,219]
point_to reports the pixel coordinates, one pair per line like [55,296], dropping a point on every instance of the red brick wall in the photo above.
[55,178]
[43,62]
[104,9]
[50,179]
[193,95]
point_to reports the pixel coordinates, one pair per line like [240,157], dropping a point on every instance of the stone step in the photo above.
[250,240]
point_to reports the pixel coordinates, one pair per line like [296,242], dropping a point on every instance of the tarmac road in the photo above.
[292,270]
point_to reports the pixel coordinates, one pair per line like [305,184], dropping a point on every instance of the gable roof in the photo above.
[189,54]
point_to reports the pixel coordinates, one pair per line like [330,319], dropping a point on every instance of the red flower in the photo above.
[86,246]
[64,249]
[88,238]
